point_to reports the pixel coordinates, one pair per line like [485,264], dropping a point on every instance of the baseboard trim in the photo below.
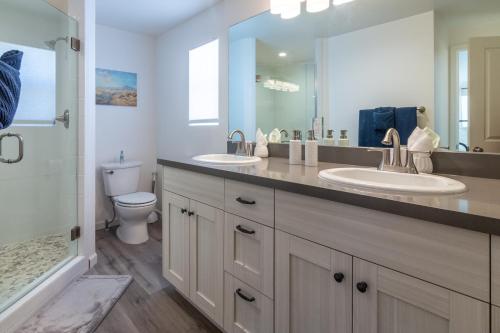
[92,260]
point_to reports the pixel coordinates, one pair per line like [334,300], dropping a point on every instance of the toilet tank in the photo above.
[121,178]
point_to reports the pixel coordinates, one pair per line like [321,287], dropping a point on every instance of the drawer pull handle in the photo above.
[362,287]
[245,230]
[245,202]
[339,277]
[245,297]
[184,210]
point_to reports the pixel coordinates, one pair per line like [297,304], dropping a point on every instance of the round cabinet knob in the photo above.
[362,287]
[339,277]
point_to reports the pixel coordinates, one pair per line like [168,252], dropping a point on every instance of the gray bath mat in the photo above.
[81,307]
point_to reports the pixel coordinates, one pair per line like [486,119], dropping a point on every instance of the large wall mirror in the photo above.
[435,64]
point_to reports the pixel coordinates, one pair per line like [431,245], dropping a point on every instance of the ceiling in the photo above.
[152,17]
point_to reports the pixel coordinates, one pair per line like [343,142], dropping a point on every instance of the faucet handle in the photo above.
[410,160]
[249,148]
[386,158]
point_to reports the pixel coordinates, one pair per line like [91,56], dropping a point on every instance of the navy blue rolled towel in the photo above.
[10,86]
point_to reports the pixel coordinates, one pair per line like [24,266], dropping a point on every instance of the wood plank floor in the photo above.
[150,304]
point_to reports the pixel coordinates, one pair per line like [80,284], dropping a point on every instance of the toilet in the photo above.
[121,182]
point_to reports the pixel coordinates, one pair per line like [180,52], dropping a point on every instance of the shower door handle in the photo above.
[20,153]
[64,118]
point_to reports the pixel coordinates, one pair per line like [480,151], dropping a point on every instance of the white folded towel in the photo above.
[275,136]
[423,140]
[261,146]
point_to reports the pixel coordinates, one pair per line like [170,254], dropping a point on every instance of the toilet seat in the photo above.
[138,199]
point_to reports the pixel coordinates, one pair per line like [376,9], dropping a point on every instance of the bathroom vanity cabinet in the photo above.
[257,259]
[193,250]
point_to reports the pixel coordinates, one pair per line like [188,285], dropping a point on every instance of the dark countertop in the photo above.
[478,209]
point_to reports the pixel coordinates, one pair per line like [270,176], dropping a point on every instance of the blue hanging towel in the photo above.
[373,124]
[406,122]
[10,86]
[383,118]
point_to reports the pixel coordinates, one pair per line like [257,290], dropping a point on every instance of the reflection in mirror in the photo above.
[367,66]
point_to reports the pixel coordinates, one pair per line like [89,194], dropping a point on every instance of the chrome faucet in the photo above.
[284,131]
[392,138]
[243,148]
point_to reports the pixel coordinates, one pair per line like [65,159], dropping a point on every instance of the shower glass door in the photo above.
[38,152]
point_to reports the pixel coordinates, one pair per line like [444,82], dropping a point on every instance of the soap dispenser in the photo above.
[329,140]
[311,150]
[295,146]
[122,157]
[343,140]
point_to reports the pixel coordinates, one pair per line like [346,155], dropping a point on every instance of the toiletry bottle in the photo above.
[343,140]
[122,157]
[311,150]
[295,145]
[329,140]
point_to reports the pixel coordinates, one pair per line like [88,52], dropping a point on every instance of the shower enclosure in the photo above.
[38,152]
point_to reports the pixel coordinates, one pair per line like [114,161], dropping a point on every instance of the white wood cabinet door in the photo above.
[207,259]
[313,287]
[176,241]
[386,301]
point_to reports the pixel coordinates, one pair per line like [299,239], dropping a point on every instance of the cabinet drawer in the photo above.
[249,253]
[245,309]
[202,188]
[454,258]
[253,202]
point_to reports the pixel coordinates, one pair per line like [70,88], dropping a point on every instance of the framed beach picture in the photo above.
[116,88]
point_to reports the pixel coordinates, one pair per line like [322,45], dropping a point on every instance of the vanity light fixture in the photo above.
[341,2]
[289,9]
[282,54]
[315,6]
[281,86]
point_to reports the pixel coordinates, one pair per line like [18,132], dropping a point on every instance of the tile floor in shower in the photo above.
[23,264]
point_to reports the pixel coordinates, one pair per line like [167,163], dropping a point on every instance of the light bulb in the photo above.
[277,6]
[291,9]
[314,6]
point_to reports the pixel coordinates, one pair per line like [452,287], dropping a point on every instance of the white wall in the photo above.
[174,137]
[386,65]
[126,128]
[242,107]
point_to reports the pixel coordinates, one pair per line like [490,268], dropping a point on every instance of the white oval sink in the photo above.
[392,181]
[227,159]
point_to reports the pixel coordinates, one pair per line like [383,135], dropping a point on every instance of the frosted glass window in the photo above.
[204,84]
[37,104]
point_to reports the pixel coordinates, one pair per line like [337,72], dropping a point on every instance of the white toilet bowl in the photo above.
[133,210]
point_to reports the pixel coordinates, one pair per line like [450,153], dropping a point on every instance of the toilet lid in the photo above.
[138,198]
